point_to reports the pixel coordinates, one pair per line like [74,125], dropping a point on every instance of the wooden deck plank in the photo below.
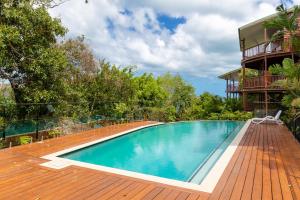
[182,196]
[86,179]
[239,185]
[257,183]
[135,187]
[266,165]
[142,193]
[99,187]
[194,197]
[238,171]
[153,193]
[284,183]
[276,188]
[267,185]
[287,162]
[224,178]
[248,184]
[173,195]
[163,194]
[111,190]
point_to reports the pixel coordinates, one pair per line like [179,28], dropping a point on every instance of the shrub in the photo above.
[228,115]
[214,116]
[233,104]
[2,143]
[55,132]
[2,123]
[25,139]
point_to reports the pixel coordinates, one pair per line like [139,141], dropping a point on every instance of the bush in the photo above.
[25,139]
[2,123]
[214,116]
[55,132]
[233,104]
[167,114]
[244,115]
[2,143]
[228,115]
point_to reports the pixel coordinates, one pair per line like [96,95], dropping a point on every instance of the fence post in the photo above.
[37,122]
[4,122]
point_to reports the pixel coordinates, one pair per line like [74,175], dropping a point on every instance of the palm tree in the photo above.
[286,24]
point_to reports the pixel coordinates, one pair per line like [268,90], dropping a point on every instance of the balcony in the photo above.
[262,82]
[232,88]
[272,47]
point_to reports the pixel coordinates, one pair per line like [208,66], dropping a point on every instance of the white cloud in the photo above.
[206,45]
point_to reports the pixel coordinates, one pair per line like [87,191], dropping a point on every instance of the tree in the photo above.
[211,103]
[111,85]
[80,56]
[149,94]
[291,83]
[29,57]
[180,94]
[79,74]
[285,23]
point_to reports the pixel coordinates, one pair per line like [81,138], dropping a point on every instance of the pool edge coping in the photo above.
[207,185]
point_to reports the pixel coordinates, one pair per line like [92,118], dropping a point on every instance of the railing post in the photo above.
[37,122]
[4,121]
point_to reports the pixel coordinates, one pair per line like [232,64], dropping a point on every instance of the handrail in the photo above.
[232,88]
[261,81]
[268,47]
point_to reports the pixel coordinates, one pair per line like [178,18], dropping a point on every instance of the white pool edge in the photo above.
[213,176]
[207,185]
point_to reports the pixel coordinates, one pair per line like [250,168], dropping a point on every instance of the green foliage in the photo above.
[149,92]
[70,80]
[55,132]
[211,103]
[166,114]
[25,139]
[233,104]
[229,115]
[120,109]
[29,58]
[2,123]
[2,143]
[109,86]
[179,94]
[285,23]
[291,83]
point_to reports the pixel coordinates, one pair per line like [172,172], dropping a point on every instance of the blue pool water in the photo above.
[174,150]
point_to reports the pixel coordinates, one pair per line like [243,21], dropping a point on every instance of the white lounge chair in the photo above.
[268,119]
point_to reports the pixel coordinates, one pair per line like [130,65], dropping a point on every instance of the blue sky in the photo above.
[197,39]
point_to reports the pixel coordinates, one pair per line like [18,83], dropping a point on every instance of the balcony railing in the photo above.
[232,88]
[272,47]
[262,82]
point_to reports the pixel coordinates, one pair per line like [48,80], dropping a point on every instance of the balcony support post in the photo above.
[233,88]
[242,89]
[226,88]
[266,72]
[266,102]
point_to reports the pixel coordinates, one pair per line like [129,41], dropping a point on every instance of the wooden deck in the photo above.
[266,165]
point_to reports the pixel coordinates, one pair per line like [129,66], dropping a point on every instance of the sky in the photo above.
[197,39]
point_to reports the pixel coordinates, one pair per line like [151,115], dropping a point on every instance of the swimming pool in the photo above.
[183,151]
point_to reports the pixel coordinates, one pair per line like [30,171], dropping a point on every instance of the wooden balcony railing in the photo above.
[232,88]
[261,49]
[260,82]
